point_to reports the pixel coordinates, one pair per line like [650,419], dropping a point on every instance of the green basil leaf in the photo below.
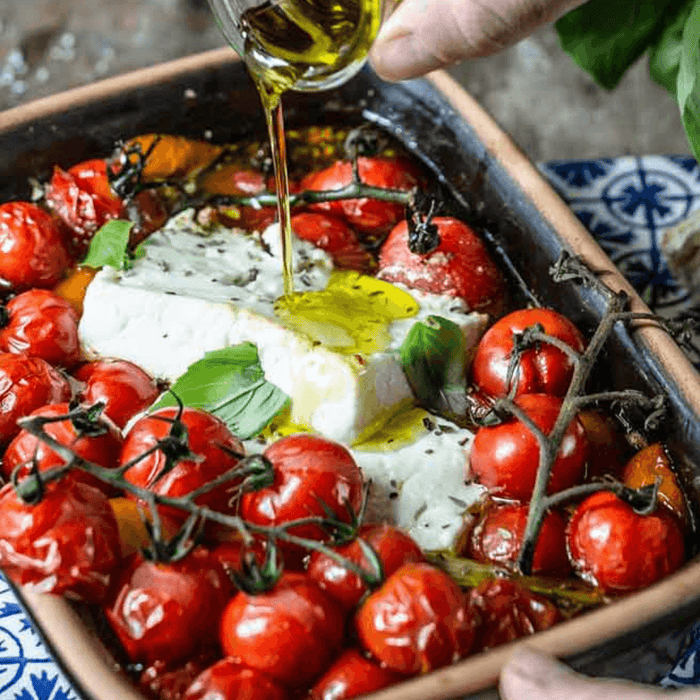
[109,246]
[605,37]
[688,86]
[665,55]
[230,384]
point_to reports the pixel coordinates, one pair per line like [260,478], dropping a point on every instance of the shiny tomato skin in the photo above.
[124,387]
[619,550]
[416,621]
[208,439]
[393,547]
[308,470]
[460,266]
[542,370]
[26,383]
[350,675]
[372,218]
[498,536]
[230,681]
[167,611]
[505,457]
[42,324]
[68,544]
[162,683]
[507,611]
[34,249]
[291,632]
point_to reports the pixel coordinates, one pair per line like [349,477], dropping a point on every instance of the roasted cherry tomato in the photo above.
[38,322]
[68,543]
[74,286]
[26,383]
[507,611]
[372,218]
[505,457]
[34,249]
[498,537]
[230,681]
[122,386]
[350,675]
[416,622]
[619,550]
[608,447]
[392,546]
[167,611]
[460,266]
[291,632]
[543,369]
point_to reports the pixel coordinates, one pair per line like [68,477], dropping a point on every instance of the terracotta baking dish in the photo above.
[526,223]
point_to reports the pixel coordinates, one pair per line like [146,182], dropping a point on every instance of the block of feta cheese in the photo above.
[198,289]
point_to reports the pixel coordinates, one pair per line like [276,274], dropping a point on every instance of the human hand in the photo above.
[422,35]
[529,674]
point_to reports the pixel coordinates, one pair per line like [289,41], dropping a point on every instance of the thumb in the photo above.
[422,35]
[529,674]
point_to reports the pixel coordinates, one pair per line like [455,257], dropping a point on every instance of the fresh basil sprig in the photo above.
[110,246]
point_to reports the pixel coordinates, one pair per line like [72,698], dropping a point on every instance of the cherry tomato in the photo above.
[290,632]
[498,537]
[166,611]
[392,546]
[416,622]
[505,457]
[26,383]
[163,683]
[460,266]
[350,675]
[208,439]
[74,286]
[310,474]
[230,681]
[34,249]
[615,548]
[543,369]
[122,386]
[232,553]
[335,237]
[67,544]
[508,612]
[25,450]
[131,521]
[608,446]
[372,218]
[43,324]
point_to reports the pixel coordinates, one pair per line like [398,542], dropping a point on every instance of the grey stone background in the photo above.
[549,106]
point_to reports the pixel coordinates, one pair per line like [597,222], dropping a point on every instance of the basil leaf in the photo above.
[230,384]
[109,246]
[665,55]
[688,87]
[605,37]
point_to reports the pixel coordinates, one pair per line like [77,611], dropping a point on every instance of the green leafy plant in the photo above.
[110,246]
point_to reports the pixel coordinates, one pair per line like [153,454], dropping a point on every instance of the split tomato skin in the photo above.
[542,370]
[505,457]
[227,679]
[67,544]
[34,249]
[460,266]
[613,547]
[291,632]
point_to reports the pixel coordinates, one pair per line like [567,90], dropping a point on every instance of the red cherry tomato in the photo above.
[26,383]
[505,457]
[42,324]
[25,450]
[290,632]
[543,369]
[350,675]
[615,548]
[416,622]
[508,612]
[163,683]
[460,266]
[232,553]
[34,249]
[122,386]
[498,537]
[392,546]
[208,439]
[372,218]
[67,544]
[230,681]
[335,237]
[167,611]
